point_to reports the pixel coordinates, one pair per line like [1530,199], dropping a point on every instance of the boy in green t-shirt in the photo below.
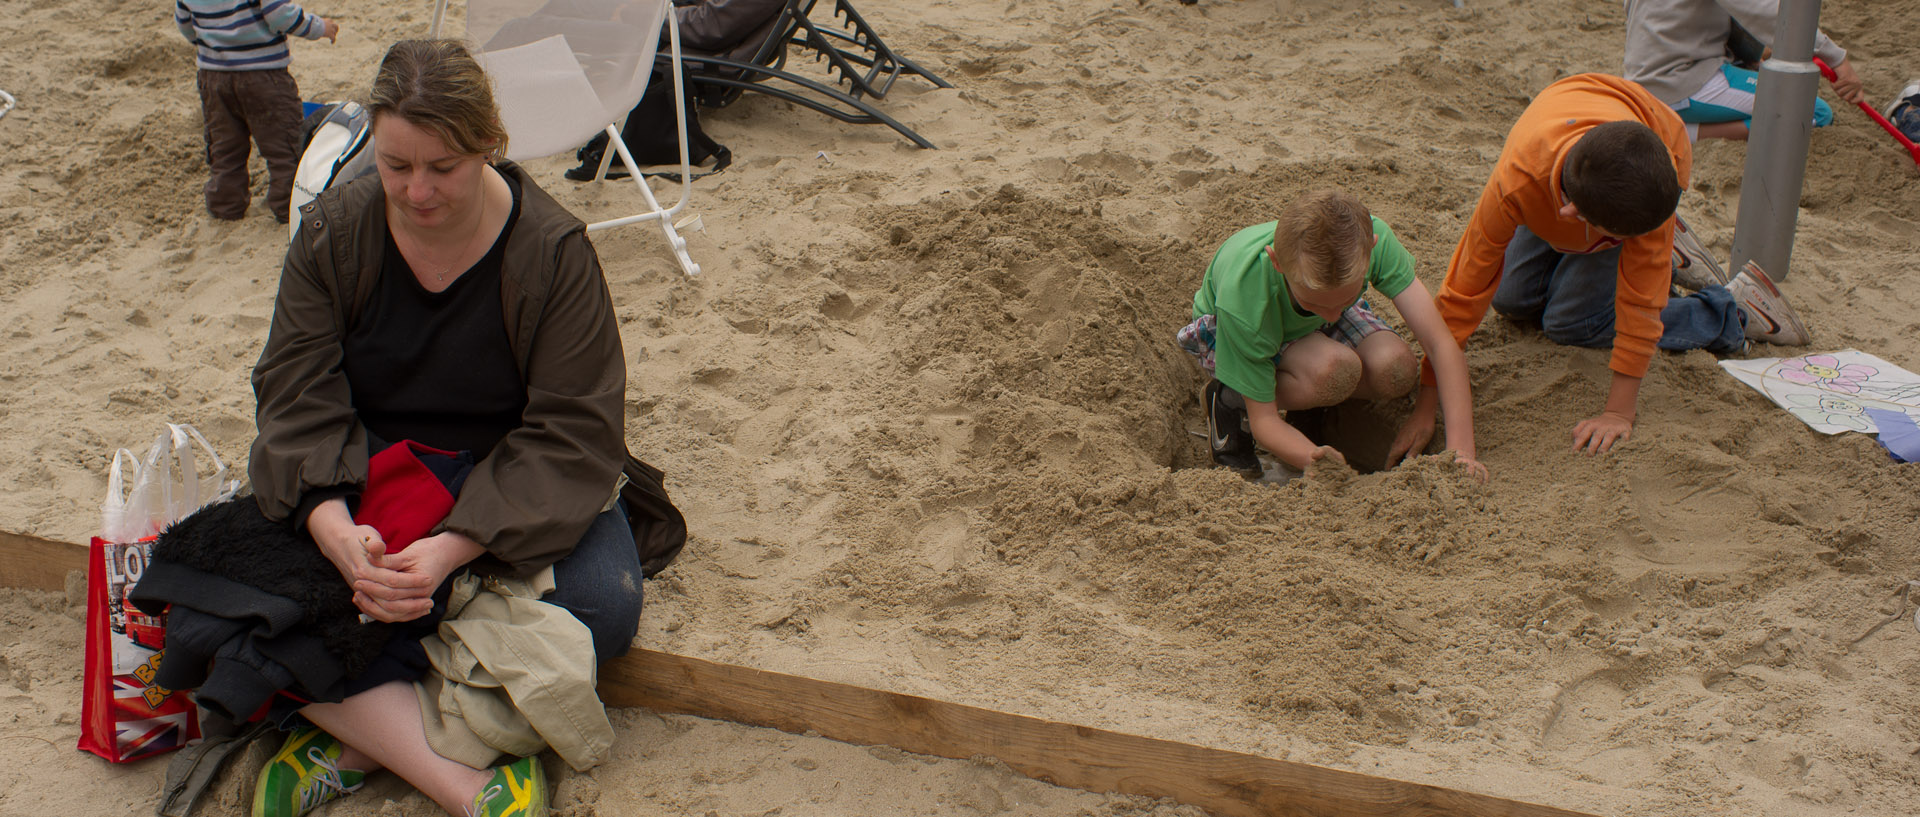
[1280,322]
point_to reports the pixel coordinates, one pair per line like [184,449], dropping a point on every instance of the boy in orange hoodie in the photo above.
[1575,231]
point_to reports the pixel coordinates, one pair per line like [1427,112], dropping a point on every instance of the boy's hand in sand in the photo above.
[1327,465]
[1412,439]
[1474,468]
[1599,434]
[331,31]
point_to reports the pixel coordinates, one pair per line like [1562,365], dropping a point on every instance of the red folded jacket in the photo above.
[403,499]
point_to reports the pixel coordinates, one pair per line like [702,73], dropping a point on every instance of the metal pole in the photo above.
[1777,143]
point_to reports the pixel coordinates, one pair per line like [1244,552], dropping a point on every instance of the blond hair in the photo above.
[1328,235]
[438,86]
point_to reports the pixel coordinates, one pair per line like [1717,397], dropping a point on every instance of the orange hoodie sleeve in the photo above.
[1646,266]
[1474,272]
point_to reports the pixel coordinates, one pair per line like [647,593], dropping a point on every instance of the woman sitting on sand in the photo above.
[454,304]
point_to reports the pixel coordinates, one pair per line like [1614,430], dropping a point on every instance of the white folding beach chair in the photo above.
[565,69]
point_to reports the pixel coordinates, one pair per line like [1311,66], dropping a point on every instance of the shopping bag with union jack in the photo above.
[123,715]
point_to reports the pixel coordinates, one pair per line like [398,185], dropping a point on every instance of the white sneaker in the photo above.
[1693,267]
[1912,90]
[1768,316]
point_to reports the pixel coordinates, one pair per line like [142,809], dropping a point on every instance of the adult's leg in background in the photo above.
[1723,108]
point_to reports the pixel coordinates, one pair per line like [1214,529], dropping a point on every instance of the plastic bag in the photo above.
[163,488]
[123,715]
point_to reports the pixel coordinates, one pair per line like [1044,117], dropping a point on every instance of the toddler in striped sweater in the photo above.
[247,93]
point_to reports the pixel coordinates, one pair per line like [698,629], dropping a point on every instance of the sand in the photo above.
[924,416]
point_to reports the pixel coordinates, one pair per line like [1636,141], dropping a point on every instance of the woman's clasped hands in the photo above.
[389,587]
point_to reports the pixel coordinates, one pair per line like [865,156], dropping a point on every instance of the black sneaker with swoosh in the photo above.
[1231,443]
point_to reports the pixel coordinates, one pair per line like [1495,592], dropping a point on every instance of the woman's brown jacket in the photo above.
[529,501]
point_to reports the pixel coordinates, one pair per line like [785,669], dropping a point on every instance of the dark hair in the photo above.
[1621,177]
[1329,234]
[437,85]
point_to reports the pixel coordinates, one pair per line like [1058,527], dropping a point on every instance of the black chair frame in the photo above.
[855,56]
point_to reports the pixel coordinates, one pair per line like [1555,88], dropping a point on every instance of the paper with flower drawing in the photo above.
[1831,391]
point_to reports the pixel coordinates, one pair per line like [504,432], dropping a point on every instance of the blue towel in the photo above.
[1898,434]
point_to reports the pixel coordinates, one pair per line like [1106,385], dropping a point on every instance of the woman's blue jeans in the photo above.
[1571,297]
[599,583]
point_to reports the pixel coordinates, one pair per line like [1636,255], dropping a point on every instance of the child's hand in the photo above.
[1599,434]
[1326,452]
[1412,439]
[1846,83]
[1474,468]
[331,31]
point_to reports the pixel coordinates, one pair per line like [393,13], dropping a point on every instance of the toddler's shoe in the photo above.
[303,774]
[1231,443]
[1768,316]
[1693,267]
[518,789]
[1904,110]
[1905,97]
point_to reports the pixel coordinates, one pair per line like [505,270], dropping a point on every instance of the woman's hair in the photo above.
[1329,233]
[439,86]
[1621,178]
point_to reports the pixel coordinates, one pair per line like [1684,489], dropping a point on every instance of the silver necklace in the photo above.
[478,228]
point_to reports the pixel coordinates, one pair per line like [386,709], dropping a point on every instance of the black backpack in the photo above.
[652,135]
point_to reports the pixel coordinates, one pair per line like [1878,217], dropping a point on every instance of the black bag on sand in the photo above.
[652,135]
[658,528]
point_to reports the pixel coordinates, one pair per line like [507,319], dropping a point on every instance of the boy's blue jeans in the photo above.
[1571,297]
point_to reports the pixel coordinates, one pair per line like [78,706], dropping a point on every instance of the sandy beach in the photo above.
[924,414]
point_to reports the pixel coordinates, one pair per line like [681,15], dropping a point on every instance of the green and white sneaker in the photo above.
[518,789]
[302,775]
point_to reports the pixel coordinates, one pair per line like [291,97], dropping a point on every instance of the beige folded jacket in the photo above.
[511,674]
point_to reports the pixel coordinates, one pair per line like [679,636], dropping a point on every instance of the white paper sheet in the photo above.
[1831,391]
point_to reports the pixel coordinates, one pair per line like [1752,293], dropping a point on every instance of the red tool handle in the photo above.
[1827,71]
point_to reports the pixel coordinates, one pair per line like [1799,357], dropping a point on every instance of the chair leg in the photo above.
[654,211]
[869,50]
[914,67]
[867,113]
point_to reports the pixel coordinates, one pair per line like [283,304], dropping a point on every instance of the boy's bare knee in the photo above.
[1396,375]
[1339,378]
[1318,371]
[1389,367]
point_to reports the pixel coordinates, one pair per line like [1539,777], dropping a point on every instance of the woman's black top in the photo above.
[436,367]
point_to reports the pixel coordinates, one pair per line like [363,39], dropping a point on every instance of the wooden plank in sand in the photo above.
[1229,784]
[40,564]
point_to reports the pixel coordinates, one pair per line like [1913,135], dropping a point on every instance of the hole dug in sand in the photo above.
[1362,430]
